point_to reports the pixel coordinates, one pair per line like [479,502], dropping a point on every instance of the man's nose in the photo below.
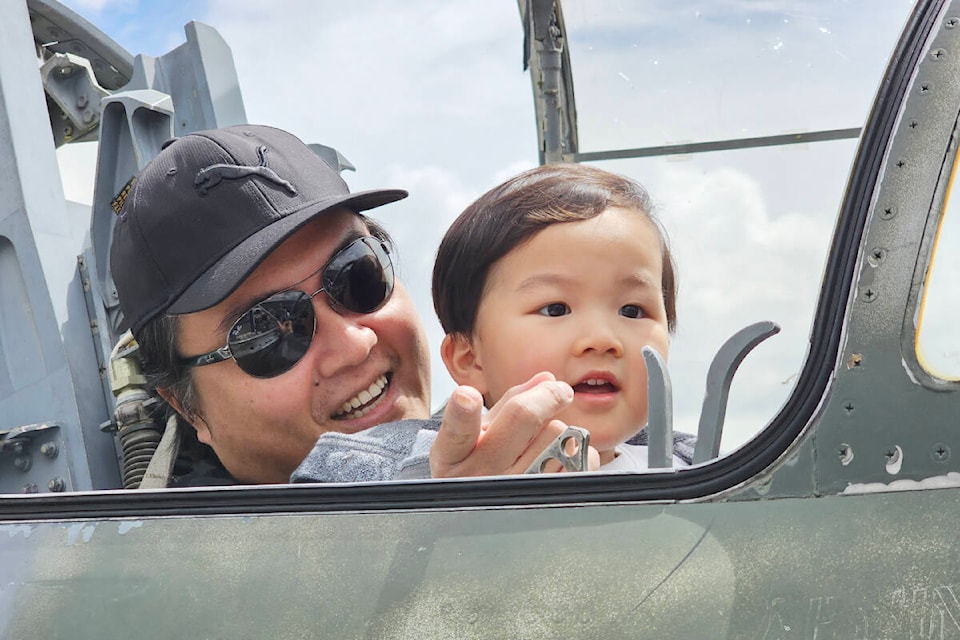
[340,341]
[597,335]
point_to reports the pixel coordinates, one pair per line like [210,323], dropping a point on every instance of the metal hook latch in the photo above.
[569,449]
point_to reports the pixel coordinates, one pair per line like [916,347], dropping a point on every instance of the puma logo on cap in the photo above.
[209,177]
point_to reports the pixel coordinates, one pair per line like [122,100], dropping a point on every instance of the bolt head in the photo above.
[940,452]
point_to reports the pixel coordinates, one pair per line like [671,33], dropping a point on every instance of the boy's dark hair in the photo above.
[510,214]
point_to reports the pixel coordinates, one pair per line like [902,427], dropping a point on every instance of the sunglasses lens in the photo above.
[273,335]
[360,277]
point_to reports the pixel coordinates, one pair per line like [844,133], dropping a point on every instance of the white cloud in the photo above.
[430,96]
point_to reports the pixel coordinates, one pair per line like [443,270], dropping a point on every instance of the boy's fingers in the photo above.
[543,376]
[593,459]
[519,430]
[521,420]
[459,432]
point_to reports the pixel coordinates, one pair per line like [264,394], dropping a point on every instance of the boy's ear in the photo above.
[462,363]
[203,432]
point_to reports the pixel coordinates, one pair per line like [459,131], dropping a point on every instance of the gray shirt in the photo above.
[400,451]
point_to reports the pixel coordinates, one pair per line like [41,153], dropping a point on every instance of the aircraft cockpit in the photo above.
[799,156]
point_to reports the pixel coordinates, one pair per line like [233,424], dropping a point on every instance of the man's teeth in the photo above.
[594,382]
[362,399]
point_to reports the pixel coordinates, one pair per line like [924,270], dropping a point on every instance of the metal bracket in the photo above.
[719,377]
[332,157]
[34,455]
[659,410]
[569,449]
[15,439]
[70,83]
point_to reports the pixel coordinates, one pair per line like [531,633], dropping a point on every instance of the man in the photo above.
[267,313]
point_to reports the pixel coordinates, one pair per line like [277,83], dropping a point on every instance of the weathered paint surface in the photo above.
[876,566]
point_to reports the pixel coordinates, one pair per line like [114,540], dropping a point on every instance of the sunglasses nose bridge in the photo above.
[316,293]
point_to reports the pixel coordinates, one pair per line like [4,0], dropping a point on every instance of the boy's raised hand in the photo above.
[508,438]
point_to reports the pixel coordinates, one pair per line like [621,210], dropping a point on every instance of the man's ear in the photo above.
[463,362]
[198,423]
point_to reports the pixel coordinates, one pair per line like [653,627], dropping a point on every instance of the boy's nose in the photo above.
[598,337]
[340,341]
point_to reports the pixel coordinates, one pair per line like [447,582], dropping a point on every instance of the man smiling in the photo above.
[267,313]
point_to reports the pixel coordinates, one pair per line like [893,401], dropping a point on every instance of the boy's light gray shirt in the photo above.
[400,451]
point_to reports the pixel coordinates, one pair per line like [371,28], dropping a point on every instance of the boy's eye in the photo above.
[554,309]
[631,311]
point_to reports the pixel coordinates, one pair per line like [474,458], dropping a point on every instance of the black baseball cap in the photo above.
[203,214]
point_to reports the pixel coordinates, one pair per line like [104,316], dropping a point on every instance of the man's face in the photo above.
[262,428]
[579,299]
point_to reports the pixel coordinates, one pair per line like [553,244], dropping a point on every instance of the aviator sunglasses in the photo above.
[274,334]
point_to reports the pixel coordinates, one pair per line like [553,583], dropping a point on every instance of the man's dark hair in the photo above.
[510,214]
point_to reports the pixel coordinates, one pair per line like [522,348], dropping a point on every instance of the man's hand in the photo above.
[508,438]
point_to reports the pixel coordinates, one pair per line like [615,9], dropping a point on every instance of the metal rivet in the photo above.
[936,54]
[848,408]
[855,361]
[22,463]
[888,212]
[56,484]
[845,454]
[875,257]
[950,23]
[49,449]
[894,456]
[940,452]
[31,487]
[869,295]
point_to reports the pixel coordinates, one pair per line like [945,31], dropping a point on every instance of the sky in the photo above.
[431,96]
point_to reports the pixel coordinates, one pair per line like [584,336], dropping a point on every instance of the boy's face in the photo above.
[579,299]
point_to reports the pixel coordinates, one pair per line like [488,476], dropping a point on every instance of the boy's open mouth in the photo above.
[595,385]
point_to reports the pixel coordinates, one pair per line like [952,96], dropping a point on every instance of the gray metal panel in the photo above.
[887,420]
[869,566]
[38,244]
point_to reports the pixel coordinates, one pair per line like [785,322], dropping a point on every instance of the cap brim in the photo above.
[223,278]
